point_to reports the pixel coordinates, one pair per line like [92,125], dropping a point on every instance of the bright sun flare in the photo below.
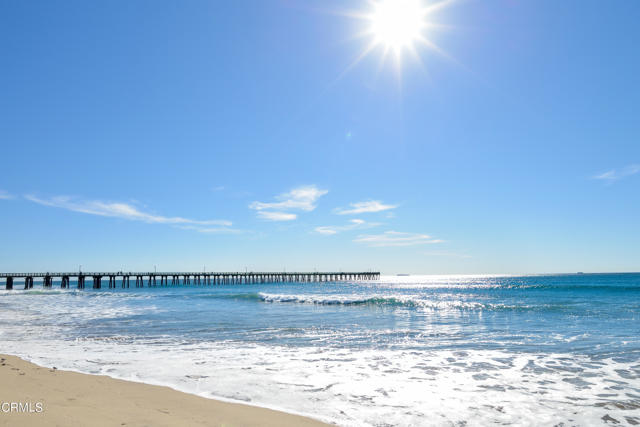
[400,27]
[397,24]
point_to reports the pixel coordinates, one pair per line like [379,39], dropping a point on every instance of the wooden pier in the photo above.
[149,279]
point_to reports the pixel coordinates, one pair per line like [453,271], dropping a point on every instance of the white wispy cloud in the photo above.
[301,198]
[277,216]
[616,174]
[364,207]
[352,225]
[396,238]
[4,195]
[124,211]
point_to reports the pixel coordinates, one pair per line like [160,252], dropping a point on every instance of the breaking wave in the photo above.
[397,301]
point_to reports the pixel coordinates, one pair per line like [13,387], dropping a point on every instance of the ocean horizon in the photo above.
[555,349]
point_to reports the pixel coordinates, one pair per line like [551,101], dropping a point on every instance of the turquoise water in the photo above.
[417,350]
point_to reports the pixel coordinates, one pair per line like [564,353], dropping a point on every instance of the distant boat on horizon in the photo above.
[403,274]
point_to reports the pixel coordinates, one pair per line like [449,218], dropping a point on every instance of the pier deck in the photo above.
[180,278]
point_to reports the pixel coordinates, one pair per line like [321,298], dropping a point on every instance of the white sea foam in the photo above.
[367,387]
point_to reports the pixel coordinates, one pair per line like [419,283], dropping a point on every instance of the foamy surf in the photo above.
[355,388]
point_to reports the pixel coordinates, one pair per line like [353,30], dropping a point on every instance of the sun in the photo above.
[396,28]
[397,24]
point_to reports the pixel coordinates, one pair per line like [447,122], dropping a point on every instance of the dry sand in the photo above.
[73,399]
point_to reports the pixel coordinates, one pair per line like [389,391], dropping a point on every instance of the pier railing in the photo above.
[180,278]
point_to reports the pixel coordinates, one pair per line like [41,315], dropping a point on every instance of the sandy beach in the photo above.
[52,397]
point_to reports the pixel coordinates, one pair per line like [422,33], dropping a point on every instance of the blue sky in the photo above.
[233,135]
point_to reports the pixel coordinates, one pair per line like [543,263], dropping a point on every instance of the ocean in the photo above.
[552,350]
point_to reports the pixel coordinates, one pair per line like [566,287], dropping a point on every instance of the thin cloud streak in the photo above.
[364,207]
[4,195]
[616,174]
[396,238]
[277,216]
[353,224]
[119,210]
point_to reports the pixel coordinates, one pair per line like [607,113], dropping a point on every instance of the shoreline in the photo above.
[58,397]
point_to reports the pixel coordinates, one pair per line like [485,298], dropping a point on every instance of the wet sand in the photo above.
[52,397]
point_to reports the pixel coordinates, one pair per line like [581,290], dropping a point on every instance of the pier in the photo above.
[124,280]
